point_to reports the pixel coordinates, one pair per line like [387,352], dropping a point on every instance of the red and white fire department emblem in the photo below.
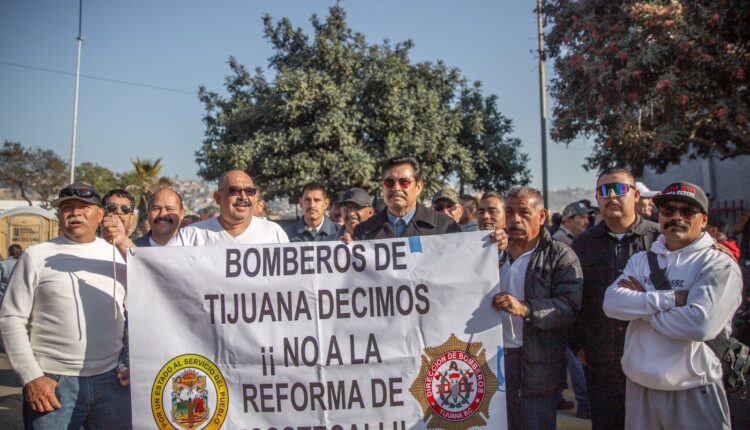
[455,385]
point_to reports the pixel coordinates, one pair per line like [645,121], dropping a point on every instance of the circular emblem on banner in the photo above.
[189,393]
[455,385]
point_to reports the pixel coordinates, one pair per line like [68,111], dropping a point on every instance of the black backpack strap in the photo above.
[657,276]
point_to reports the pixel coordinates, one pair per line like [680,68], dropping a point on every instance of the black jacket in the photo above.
[552,291]
[603,258]
[426,222]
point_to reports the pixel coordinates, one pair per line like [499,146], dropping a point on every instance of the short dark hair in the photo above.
[151,198]
[615,171]
[397,161]
[494,194]
[469,202]
[14,246]
[118,192]
[314,186]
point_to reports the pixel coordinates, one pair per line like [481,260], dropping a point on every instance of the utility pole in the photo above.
[75,98]
[542,103]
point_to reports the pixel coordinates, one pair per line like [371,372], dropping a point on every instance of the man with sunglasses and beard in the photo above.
[165,214]
[603,251]
[403,215]
[63,322]
[674,378]
[236,223]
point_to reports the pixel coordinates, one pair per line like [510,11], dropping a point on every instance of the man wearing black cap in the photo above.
[62,322]
[674,378]
[356,206]
[575,219]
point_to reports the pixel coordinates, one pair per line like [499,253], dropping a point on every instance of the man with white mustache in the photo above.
[165,213]
[63,322]
[236,223]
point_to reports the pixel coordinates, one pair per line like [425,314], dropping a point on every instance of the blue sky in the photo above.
[184,44]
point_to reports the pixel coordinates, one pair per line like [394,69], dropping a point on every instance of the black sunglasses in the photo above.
[112,208]
[688,212]
[84,193]
[237,191]
[441,207]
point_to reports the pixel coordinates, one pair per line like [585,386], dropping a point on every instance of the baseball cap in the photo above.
[78,191]
[645,191]
[575,208]
[358,196]
[683,192]
[338,196]
[447,194]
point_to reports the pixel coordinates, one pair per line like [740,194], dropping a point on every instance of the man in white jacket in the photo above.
[674,378]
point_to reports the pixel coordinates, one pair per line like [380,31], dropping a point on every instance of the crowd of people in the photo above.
[576,299]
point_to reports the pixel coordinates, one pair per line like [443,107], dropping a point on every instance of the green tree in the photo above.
[100,177]
[651,81]
[336,107]
[33,172]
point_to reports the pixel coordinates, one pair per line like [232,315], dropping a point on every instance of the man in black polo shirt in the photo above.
[603,251]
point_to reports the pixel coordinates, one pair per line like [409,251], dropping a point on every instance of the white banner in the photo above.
[394,334]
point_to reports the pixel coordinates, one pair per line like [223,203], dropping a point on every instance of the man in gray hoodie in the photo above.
[674,379]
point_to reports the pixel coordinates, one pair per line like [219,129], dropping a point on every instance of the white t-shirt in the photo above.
[63,311]
[512,280]
[210,232]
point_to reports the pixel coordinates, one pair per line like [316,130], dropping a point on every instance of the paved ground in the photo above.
[10,397]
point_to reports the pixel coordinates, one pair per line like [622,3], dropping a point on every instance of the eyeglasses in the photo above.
[441,207]
[688,212]
[619,188]
[84,193]
[402,182]
[112,208]
[237,191]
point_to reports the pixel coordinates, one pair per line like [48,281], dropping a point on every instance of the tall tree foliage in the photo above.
[34,173]
[338,105]
[651,81]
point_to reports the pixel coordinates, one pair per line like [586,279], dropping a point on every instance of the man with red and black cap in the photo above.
[677,298]
[63,321]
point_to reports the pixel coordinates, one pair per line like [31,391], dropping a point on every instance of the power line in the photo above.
[115,81]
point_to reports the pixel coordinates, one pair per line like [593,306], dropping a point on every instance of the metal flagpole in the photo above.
[75,99]
[542,104]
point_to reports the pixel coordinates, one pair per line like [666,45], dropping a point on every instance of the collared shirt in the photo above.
[300,232]
[314,230]
[393,220]
[470,226]
[563,235]
[512,280]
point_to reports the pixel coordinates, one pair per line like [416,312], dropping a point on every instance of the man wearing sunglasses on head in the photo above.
[235,223]
[603,251]
[674,378]
[63,322]
[403,215]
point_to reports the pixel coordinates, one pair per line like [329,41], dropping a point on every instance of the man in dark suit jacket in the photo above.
[403,215]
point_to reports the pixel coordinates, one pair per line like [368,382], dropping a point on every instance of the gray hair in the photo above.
[529,193]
